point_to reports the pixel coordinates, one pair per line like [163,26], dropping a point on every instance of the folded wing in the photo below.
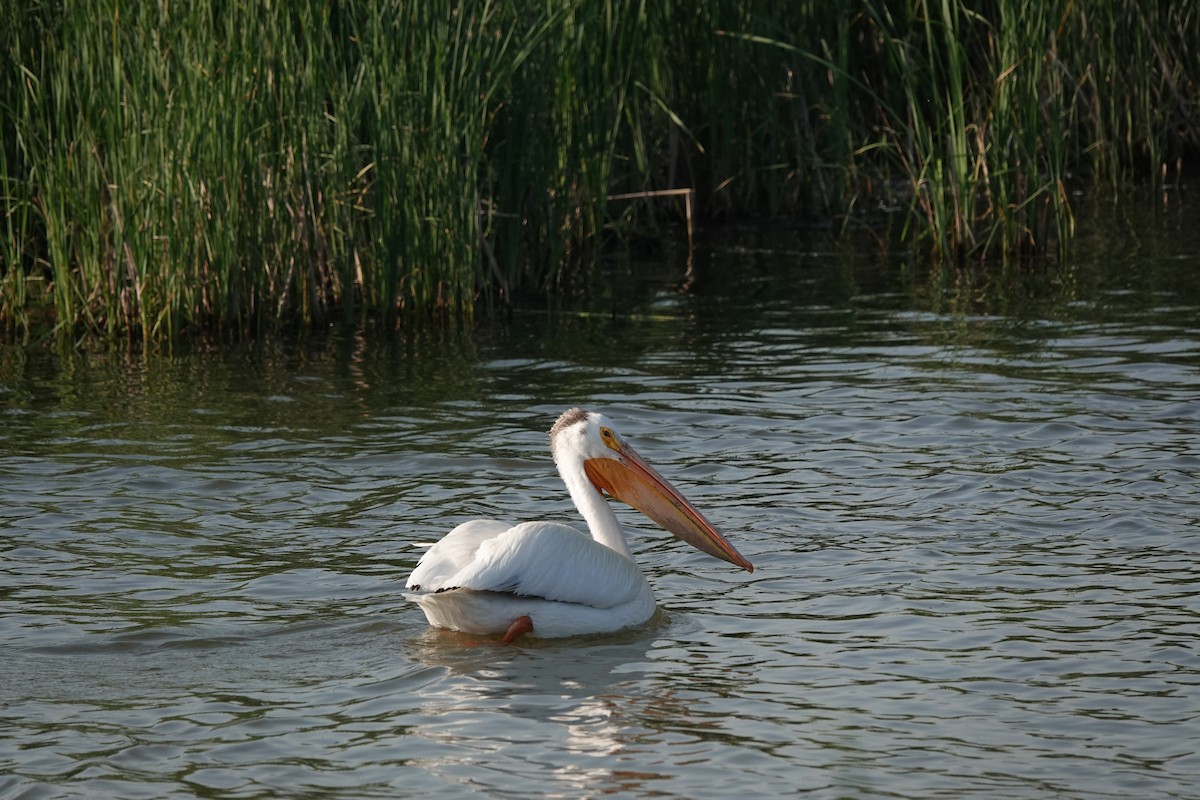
[534,559]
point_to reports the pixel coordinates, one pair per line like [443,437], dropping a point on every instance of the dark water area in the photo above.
[970,497]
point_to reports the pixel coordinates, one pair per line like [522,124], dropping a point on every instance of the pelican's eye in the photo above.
[610,439]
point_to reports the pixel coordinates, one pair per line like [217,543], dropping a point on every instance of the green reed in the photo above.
[235,166]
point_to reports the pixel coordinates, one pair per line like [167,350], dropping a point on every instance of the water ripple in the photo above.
[975,567]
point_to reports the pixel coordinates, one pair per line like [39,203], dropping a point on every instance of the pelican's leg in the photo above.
[520,626]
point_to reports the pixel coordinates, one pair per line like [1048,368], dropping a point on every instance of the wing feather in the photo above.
[451,553]
[533,559]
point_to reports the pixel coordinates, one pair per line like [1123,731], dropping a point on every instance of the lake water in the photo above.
[972,501]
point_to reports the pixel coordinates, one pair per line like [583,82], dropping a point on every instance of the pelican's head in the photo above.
[587,441]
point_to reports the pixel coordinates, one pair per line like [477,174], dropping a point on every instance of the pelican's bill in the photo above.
[631,480]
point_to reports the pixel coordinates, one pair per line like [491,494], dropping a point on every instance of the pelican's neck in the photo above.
[601,521]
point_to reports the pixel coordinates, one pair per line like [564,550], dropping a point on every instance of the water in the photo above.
[971,502]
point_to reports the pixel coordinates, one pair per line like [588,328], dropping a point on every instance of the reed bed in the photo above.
[236,166]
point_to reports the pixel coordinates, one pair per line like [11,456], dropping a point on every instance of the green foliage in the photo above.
[232,166]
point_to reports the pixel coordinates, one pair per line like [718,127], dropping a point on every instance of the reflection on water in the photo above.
[971,500]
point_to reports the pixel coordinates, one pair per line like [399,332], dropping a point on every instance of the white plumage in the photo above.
[550,579]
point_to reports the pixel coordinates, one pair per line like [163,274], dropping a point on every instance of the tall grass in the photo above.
[232,166]
[972,118]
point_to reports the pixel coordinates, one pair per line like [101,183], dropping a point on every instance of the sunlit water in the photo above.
[973,512]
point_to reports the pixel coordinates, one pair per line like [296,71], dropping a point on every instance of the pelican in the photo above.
[548,579]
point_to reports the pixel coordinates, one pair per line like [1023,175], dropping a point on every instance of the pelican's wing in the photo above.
[454,551]
[551,561]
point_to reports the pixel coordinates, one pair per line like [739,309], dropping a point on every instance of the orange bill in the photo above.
[631,480]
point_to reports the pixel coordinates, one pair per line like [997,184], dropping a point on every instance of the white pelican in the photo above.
[550,579]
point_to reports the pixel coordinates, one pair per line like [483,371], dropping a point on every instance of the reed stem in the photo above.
[169,168]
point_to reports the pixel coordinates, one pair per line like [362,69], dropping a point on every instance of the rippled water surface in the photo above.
[972,505]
